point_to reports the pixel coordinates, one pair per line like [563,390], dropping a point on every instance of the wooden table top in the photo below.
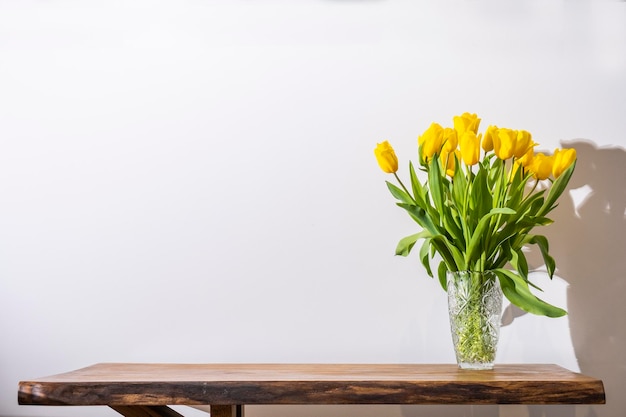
[251,384]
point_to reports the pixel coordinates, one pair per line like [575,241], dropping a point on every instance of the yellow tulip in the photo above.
[523,143]
[450,139]
[487,143]
[563,158]
[470,148]
[527,158]
[541,166]
[448,161]
[430,142]
[386,157]
[466,122]
[504,143]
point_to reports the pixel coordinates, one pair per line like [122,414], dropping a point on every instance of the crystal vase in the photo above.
[475,307]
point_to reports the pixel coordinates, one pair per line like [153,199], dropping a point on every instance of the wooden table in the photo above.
[145,390]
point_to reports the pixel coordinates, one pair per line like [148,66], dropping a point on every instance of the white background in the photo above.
[194,181]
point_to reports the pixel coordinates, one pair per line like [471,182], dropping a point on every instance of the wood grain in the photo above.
[119,384]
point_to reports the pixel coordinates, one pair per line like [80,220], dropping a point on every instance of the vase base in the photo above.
[476,366]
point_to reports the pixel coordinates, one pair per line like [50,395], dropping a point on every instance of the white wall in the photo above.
[194,181]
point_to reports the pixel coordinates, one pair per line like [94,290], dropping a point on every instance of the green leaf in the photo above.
[481,198]
[517,188]
[435,183]
[406,243]
[450,255]
[474,244]
[459,185]
[544,247]
[424,250]
[451,226]
[495,182]
[532,204]
[421,217]
[499,256]
[516,290]
[449,252]
[416,185]
[518,260]
[421,196]
[557,189]
[529,207]
[399,193]
[538,221]
[442,272]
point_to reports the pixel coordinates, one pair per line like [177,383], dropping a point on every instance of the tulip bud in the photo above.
[470,148]
[450,139]
[386,157]
[541,167]
[563,158]
[487,143]
[523,143]
[466,122]
[430,141]
[527,158]
[517,165]
[448,161]
[504,143]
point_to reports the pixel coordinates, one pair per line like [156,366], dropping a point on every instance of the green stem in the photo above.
[530,193]
[404,188]
[467,193]
[504,191]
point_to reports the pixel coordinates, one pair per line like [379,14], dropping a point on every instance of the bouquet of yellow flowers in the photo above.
[483,195]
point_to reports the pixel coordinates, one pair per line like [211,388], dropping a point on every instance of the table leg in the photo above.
[165,411]
[227,411]
[145,411]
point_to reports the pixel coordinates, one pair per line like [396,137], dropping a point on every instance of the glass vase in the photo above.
[475,308]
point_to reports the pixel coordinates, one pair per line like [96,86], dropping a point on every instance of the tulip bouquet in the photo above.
[483,195]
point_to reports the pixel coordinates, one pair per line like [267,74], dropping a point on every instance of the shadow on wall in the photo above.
[588,241]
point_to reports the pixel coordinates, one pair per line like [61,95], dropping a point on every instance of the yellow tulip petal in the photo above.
[386,157]
[466,122]
[430,142]
[450,139]
[504,143]
[563,158]
[448,161]
[541,167]
[487,142]
[470,148]
[523,143]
